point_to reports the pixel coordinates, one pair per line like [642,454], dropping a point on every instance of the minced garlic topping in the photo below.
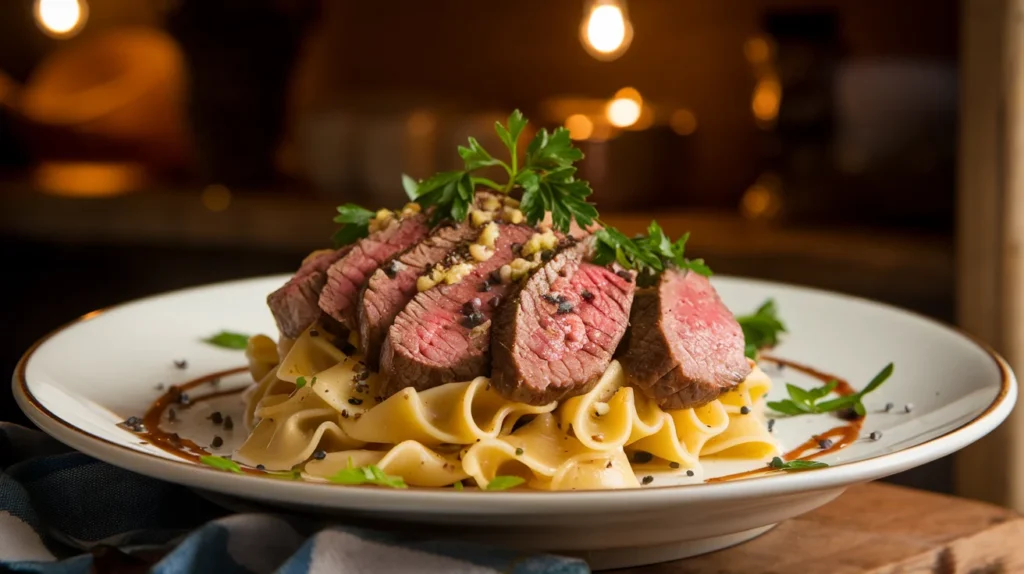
[480,253]
[512,215]
[410,209]
[539,242]
[439,274]
[489,235]
[380,220]
[480,217]
[491,203]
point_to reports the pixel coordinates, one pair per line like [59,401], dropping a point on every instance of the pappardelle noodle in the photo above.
[314,408]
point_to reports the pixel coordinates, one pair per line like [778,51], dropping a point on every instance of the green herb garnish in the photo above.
[761,329]
[648,254]
[505,482]
[229,340]
[284,474]
[370,474]
[802,401]
[221,463]
[458,485]
[795,465]
[546,177]
[301,382]
[355,224]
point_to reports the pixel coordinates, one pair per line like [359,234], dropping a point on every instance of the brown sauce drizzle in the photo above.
[170,442]
[841,436]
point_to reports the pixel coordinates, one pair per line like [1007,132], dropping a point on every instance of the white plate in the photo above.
[79,381]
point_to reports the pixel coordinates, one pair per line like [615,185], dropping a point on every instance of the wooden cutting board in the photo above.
[875,528]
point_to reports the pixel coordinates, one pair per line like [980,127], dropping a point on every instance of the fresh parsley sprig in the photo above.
[804,402]
[369,474]
[762,328]
[221,463]
[228,340]
[505,482]
[648,254]
[795,465]
[546,177]
[355,224]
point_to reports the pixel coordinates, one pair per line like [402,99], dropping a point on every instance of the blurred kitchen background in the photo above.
[148,145]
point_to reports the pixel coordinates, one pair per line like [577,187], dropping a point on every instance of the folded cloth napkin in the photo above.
[64,512]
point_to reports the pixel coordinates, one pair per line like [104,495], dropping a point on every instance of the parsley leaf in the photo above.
[410,186]
[546,177]
[301,382]
[648,254]
[370,474]
[458,485]
[796,465]
[505,482]
[803,401]
[221,463]
[355,223]
[761,329]
[228,340]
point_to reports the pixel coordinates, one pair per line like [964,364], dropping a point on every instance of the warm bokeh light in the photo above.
[61,18]
[763,200]
[766,100]
[88,179]
[606,30]
[216,197]
[757,50]
[622,112]
[683,122]
[421,123]
[580,127]
[630,93]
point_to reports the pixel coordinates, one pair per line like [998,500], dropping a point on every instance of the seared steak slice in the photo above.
[295,305]
[346,277]
[685,347]
[434,340]
[556,336]
[393,285]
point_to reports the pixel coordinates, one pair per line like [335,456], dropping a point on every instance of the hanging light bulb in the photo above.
[61,18]
[606,31]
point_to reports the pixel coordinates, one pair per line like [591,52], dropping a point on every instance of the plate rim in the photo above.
[517,502]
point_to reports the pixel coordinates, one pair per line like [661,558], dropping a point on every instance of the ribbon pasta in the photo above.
[319,398]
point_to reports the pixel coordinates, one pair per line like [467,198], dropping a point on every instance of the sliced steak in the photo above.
[345,278]
[556,336]
[391,287]
[685,347]
[434,340]
[295,305]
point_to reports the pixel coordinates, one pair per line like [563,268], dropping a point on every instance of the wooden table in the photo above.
[876,528]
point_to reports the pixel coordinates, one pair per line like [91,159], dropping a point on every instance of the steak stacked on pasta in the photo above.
[474,349]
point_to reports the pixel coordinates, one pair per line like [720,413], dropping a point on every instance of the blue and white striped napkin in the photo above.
[64,512]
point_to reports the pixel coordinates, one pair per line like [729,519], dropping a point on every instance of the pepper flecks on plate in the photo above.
[355,401]
[744,410]
[216,418]
[689,473]
[181,363]
[825,443]
[771,425]
[647,480]
[217,442]
[673,465]
[642,457]
[228,423]
[319,454]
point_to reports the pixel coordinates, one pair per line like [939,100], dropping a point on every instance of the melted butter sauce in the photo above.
[841,436]
[171,443]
